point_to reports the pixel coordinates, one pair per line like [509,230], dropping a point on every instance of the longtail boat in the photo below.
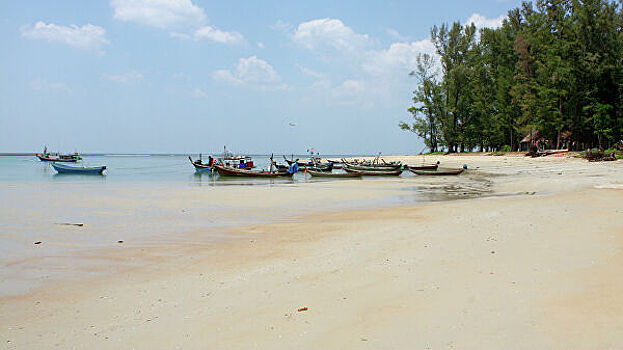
[423,167]
[200,166]
[229,171]
[374,167]
[395,172]
[302,163]
[371,166]
[333,175]
[66,169]
[443,172]
[70,158]
[230,157]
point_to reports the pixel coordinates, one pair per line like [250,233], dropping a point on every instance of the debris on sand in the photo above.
[302,309]
[596,155]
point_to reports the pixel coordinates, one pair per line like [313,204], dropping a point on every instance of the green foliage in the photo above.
[555,67]
[617,153]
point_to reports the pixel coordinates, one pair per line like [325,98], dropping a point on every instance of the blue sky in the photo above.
[191,76]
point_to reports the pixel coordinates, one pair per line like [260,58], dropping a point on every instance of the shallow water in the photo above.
[120,168]
[159,200]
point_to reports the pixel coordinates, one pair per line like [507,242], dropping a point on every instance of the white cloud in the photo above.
[394,34]
[174,15]
[311,73]
[379,74]
[358,93]
[180,35]
[219,36]
[198,92]
[124,77]
[251,72]
[399,58]
[87,36]
[481,21]
[260,45]
[329,35]
[39,84]
[163,14]
[349,88]
[282,26]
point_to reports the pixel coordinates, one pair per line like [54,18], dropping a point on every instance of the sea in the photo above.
[55,227]
[129,168]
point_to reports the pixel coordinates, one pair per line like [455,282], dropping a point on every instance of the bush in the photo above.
[505,148]
[618,154]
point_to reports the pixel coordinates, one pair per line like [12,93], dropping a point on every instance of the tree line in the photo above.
[553,69]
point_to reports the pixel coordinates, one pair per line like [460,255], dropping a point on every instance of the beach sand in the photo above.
[533,262]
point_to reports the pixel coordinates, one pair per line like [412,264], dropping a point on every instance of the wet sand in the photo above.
[531,262]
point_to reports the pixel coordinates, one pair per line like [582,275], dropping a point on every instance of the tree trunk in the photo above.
[512,140]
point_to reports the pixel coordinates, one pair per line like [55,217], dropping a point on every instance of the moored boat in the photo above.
[56,157]
[373,167]
[303,163]
[229,171]
[69,158]
[315,173]
[230,157]
[66,169]
[423,167]
[438,172]
[200,166]
[395,172]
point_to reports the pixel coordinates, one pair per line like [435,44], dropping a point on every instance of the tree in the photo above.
[426,103]
[551,67]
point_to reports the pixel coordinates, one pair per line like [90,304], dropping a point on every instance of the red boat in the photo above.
[62,158]
[229,171]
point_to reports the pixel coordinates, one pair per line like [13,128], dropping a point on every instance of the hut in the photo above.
[536,138]
[530,139]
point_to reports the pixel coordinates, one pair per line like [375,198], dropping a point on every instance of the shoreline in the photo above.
[490,267]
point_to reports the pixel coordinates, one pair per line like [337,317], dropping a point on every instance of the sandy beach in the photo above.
[516,253]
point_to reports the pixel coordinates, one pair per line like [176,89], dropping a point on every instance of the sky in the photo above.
[189,76]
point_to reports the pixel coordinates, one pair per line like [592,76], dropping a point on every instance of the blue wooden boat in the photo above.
[66,169]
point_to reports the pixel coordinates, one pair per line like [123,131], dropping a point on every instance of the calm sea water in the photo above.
[122,168]
[148,201]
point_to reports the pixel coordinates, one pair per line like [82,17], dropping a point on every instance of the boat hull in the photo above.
[446,172]
[65,169]
[375,172]
[333,175]
[228,171]
[200,167]
[423,167]
[373,168]
[56,159]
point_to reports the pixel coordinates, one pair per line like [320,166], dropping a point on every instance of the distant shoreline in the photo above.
[26,154]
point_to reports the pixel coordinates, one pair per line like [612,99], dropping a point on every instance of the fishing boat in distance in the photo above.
[315,173]
[438,172]
[66,169]
[424,167]
[200,166]
[376,172]
[230,171]
[66,158]
[56,157]
[60,158]
[228,156]
[372,165]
